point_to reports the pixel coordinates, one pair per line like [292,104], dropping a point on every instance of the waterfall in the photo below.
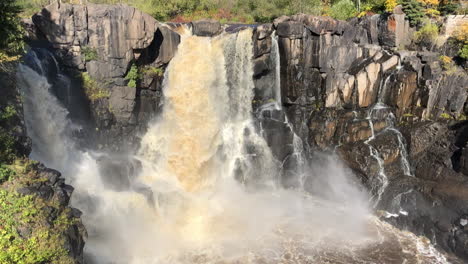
[276,58]
[210,101]
[380,183]
[46,119]
[203,187]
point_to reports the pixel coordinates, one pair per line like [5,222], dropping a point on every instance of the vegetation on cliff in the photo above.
[31,229]
[249,11]
[92,88]
[35,221]
[11,42]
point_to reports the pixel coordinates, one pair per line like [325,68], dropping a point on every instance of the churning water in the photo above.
[204,186]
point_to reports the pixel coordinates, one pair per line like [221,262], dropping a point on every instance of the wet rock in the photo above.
[263,31]
[122,102]
[168,41]
[290,29]
[401,91]
[104,41]
[390,63]
[118,172]
[206,28]
[276,131]
[261,65]
[262,46]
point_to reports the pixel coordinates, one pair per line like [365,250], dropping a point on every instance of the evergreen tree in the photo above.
[11,32]
[414,11]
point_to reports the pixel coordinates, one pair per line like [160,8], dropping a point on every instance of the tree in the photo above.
[11,32]
[343,10]
[414,11]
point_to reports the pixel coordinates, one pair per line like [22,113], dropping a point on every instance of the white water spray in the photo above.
[212,178]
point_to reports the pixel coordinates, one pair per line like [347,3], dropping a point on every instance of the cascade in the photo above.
[213,182]
[46,134]
[276,58]
[381,182]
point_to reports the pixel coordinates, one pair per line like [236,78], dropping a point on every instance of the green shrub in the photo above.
[7,141]
[414,11]
[132,76]
[92,88]
[343,10]
[245,11]
[5,173]
[427,34]
[153,71]
[463,52]
[448,8]
[7,146]
[7,114]
[445,116]
[89,53]
[37,245]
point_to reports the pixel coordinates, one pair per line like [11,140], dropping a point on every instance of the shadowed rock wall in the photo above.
[394,116]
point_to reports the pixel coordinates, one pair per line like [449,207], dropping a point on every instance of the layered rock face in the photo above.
[394,116]
[103,42]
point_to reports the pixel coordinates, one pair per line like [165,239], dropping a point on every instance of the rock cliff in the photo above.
[36,223]
[396,117]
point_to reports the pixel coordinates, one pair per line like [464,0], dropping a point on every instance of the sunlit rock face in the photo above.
[256,103]
[205,186]
[345,89]
[105,41]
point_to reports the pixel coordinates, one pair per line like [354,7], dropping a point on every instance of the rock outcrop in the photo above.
[387,113]
[34,200]
[394,116]
[103,42]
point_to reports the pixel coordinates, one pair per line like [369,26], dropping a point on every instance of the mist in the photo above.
[204,186]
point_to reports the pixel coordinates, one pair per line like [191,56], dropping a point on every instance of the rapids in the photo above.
[207,189]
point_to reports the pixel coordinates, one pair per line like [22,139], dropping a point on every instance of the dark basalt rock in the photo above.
[118,172]
[119,36]
[332,74]
[290,29]
[206,28]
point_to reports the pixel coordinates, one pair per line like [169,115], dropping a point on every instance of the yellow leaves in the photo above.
[461,33]
[432,12]
[390,5]
[6,58]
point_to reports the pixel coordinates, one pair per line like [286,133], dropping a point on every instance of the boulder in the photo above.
[263,31]
[206,28]
[168,41]
[290,29]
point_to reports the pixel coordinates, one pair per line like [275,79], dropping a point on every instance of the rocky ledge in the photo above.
[394,115]
[36,223]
